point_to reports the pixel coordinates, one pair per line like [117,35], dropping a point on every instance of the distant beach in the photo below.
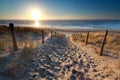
[82,24]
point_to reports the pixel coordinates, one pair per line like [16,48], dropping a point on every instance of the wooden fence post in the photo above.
[55,33]
[42,36]
[51,34]
[103,43]
[11,26]
[87,38]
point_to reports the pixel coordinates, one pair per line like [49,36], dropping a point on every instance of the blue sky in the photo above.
[61,9]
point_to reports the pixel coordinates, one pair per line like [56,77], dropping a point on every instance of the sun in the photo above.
[36,15]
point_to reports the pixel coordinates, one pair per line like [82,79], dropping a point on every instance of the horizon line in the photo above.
[58,19]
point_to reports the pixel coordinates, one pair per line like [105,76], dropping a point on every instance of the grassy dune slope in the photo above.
[12,62]
[112,44]
[23,34]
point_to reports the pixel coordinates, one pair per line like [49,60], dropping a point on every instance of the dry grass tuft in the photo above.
[79,37]
[2,44]
[26,50]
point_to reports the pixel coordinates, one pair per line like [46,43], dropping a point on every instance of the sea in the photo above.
[82,24]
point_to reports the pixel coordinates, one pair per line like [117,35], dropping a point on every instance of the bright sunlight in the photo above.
[36,15]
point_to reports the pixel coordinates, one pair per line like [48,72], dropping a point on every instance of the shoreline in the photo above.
[68,29]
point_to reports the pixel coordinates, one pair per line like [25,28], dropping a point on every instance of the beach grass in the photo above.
[6,29]
[22,34]
[26,50]
[112,44]
[2,44]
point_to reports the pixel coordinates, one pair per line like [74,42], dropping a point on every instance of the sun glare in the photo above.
[37,24]
[36,15]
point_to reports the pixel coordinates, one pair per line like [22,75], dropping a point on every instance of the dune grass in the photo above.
[22,34]
[112,44]
[2,44]
[26,50]
[5,29]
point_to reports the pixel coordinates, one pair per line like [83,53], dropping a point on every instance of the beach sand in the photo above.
[59,59]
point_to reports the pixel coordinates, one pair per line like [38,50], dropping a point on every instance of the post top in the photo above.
[11,24]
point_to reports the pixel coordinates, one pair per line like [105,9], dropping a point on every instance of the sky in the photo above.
[60,9]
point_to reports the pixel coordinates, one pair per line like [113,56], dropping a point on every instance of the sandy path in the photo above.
[59,59]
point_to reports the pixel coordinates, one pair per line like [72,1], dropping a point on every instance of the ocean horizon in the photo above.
[82,24]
